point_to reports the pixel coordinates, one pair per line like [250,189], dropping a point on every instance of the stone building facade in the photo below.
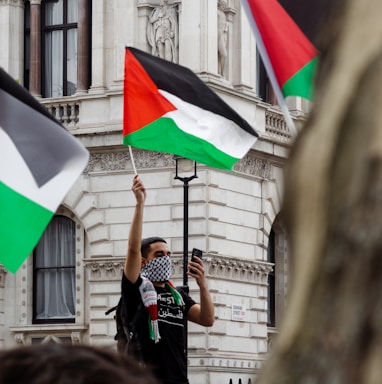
[233,216]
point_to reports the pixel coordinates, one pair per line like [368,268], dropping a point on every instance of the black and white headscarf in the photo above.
[158,269]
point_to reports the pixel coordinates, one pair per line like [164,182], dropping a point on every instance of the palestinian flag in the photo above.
[288,55]
[310,16]
[167,108]
[40,161]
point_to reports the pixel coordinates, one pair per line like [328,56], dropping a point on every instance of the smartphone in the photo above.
[198,253]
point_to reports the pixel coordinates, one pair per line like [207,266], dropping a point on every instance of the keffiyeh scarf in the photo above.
[157,270]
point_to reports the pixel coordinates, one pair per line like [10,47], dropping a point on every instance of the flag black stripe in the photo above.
[309,15]
[185,84]
[44,144]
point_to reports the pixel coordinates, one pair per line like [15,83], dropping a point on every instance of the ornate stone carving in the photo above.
[254,166]
[76,337]
[107,161]
[162,31]
[120,160]
[238,270]
[222,36]
[104,269]
[215,266]
[20,338]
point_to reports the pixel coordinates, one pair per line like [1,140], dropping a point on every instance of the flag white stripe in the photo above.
[221,132]
[16,175]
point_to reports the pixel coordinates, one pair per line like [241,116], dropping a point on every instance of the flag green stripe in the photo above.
[163,135]
[22,224]
[302,82]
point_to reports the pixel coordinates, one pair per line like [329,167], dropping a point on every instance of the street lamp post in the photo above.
[185,166]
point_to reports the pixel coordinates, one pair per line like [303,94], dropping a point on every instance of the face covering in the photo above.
[158,269]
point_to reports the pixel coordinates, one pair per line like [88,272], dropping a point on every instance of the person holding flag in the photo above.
[146,284]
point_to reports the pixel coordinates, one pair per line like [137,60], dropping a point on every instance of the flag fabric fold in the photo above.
[40,161]
[287,53]
[167,108]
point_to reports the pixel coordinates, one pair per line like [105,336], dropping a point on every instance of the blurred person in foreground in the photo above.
[70,364]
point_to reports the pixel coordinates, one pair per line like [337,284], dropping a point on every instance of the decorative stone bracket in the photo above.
[215,266]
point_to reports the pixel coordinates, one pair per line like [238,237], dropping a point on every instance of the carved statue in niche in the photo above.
[162,31]
[222,36]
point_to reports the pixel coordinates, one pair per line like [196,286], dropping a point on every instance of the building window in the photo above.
[57,47]
[278,279]
[271,319]
[54,293]
[264,87]
[59,44]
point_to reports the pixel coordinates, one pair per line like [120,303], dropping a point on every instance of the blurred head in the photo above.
[69,364]
[153,247]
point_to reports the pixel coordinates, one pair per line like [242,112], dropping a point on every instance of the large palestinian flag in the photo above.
[287,53]
[40,161]
[167,108]
[310,16]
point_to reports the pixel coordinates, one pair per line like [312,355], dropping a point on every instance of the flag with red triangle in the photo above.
[167,108]
[40,161]
[287,53]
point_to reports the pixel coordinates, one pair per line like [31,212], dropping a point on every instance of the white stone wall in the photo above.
[230,213]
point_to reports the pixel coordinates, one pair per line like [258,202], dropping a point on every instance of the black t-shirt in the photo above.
[168,356]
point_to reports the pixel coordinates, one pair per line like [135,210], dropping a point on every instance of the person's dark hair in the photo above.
[70,364]
[145,244]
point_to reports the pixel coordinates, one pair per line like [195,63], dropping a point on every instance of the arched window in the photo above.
[54,291]
[277,280]
[271,318]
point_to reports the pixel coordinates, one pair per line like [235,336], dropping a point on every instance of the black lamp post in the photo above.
[185,166]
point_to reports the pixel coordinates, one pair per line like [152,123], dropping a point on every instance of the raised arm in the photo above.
[133,260]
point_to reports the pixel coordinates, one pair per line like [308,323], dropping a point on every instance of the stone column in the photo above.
[83,47]
[35,49]
[98,66]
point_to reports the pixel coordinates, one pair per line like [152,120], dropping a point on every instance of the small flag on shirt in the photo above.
[40,161]
[167,108]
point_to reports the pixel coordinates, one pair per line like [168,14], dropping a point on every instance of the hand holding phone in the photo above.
[198,253]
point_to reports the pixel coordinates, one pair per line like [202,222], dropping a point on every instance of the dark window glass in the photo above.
[27,34]
[271,282]
[264,87]
[59,47]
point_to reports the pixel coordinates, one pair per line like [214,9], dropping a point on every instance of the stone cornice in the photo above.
[218,267]
[119,160]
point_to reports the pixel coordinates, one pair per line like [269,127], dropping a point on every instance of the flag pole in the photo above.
[271,74]
[132,160]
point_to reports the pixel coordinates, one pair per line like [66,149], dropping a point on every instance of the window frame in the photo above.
[66,320]
[34,38]
[64,27]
